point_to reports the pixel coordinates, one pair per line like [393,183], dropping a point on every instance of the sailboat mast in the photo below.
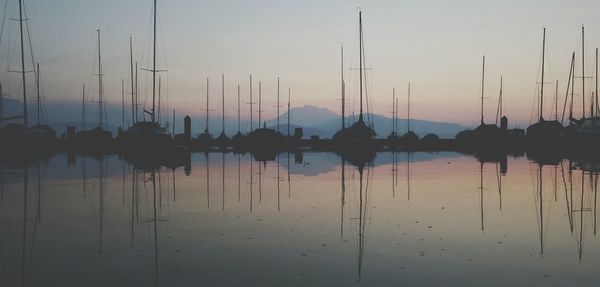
[408,112]
[251,103]
[396,119]
[238,110]
[556,101]
[482,87]
[100,108]
[572,85]
[83,108]
[25,116]
[38,93]
[596,94]
[289,100]
[583,71]
[123,103]
[159,96]
[278,105]
[501,99]
[360,51]
[154,64]
[393,110]
[343,90]
[136,93]
[206,128]
[542,83]
[259,103]
[131,71]
[223,103]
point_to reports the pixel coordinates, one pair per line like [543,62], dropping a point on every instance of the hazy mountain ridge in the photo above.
[314,121]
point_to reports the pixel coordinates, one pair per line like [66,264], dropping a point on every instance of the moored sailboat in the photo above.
[544,132]
[358,135]
[16,137]
[148,134]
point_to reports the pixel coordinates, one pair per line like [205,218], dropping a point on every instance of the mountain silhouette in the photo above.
[314,120]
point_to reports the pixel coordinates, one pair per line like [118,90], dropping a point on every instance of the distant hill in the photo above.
[325,123]
[314,121]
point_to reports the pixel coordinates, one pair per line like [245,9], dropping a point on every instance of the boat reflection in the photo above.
[158,221]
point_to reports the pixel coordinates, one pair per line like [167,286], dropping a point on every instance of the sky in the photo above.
[437,46]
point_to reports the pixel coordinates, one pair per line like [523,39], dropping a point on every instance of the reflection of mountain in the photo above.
[319,163]
[315,163]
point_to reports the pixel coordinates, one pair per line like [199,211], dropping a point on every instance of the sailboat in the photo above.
[264,142]
[485,138]
[238,138]
[148,134]
[544,132]
[359,134]
[393,138]
[588,133]
[97,139]
[19,136]
[223,140]
[410,138]
[205,139]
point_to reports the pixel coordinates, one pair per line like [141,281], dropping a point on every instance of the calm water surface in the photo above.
[420,219]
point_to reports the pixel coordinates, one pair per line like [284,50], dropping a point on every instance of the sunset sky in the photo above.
[436,45]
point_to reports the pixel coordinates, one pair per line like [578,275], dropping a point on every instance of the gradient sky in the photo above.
[436,45]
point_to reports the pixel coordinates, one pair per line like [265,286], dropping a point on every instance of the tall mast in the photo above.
[393,110]
[25,116]
[259,103]
[238,111]
[499,111]
[542,84]
[396,120]
[100,91]
[154,64]
[583,71]
[223,103]
[206,128]
[596,94]
[482,87]
[343,91]
[133,120]
[288,113]
[408,114]
[173,128]
[159,97]
[501,99]
[572,85]
[251,103]
[122,103]
[556,101]
[136,93]
[38,93]
[277,104]
[360,51]
[83,109]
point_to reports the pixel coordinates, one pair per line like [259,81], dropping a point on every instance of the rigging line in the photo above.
[568,87]
[29,38]
[3,20]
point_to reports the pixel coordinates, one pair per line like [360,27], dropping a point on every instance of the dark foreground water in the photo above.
[419,219]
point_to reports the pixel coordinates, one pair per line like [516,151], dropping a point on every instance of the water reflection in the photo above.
[115,223]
